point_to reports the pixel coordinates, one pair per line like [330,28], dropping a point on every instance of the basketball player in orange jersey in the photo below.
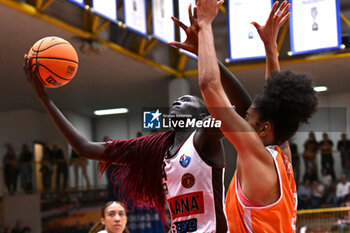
[262,195]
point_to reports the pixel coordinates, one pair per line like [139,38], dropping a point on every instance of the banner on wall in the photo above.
[135,16]
[106,9]
[314,25]
[244,40]
[163,26]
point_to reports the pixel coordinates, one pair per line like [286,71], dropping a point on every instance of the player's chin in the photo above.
[173,111]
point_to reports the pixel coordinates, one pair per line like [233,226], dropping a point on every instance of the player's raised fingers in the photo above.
[190,15]
[179,23]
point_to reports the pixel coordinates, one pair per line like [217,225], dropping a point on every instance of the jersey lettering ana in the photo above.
[194,192]
[276,217]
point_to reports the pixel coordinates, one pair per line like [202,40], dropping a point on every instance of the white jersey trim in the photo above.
[273,154]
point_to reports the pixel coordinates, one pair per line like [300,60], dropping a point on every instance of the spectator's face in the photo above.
[324,171]
[115,218]
[325,136]
[343,136]
[343,178]
[312,136]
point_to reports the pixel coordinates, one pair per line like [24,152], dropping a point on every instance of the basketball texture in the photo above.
[57,61]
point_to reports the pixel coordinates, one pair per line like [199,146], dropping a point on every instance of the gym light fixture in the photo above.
[111,111]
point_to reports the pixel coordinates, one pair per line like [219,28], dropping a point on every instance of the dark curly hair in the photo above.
[287,101]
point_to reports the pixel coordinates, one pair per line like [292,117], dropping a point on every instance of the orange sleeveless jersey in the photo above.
[277,217]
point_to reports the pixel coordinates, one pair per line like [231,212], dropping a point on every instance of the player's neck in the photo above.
[180,137]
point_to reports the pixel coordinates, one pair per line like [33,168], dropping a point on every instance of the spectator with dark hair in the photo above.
[46,169]
[346,169]
[310,153]
[26,168]
[342,190]
[318,193]
[10,163]
[309,175]
[304,195]
[327,160]
[343,147]
[327,181]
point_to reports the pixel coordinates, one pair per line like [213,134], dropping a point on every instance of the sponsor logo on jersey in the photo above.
[188,180]
[184,226]
[185,160]
[186,204]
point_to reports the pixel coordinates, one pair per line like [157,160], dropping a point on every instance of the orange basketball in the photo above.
[57,61]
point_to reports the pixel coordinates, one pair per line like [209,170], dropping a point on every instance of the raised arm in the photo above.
[79,143]
[234,127]
[268,34]
[253,158]
[236,93]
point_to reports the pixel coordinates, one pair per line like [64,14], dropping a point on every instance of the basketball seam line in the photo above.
[39,76]
[54,73]
[39,51]
[56,58]
[36,57]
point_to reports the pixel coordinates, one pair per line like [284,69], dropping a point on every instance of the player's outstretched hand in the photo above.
[207,10]
[268,32]
[32,76]
[191,42]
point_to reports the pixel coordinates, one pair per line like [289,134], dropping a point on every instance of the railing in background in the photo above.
[324,220]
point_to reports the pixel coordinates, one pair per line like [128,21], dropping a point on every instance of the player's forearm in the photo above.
[78,142]
[235,91]
[272,63]
[208,71]
[234,127]
[209,81]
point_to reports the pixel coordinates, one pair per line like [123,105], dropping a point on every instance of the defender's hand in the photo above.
[191,42]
